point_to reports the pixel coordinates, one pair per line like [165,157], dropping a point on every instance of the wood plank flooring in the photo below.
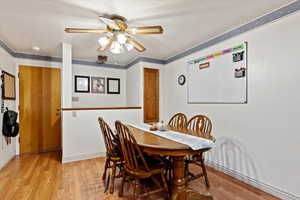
[43,177]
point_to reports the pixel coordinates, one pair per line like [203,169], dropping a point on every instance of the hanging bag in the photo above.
[10,127]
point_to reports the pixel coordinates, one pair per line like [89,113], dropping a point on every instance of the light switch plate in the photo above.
[74,113]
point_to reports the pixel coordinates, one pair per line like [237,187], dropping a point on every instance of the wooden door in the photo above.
[151,95]
[40,124]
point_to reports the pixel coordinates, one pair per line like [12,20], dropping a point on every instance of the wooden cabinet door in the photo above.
[40,123]
[151,95]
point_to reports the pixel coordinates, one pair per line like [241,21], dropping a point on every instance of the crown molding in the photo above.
[7,49]
[145,59]
[275,15]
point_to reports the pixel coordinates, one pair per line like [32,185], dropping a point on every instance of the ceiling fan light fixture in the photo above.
[103,41]
[133,30]
[128,46]
[117,36]
[116,47]
[121,38]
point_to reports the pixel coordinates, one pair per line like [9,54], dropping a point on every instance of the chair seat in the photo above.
[155,165]
[115,158]
[143,173]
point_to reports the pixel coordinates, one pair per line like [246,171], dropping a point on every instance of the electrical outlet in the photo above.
[74,113]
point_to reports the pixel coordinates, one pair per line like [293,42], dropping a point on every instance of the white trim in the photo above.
[255,183]
[2,165]
[79,157]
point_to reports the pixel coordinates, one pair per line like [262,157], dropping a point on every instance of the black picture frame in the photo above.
[109,88]
[77,90]
[101,81]
[6,77]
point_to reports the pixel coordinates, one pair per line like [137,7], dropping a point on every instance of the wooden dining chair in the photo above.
[178,121]
[201,125]
[113,153]
[136,166]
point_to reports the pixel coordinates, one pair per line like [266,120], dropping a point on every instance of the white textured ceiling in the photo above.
[27,23]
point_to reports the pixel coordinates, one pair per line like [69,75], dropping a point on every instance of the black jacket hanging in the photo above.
[10,127]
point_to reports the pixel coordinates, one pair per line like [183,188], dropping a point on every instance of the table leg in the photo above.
[179,186]
[179,190]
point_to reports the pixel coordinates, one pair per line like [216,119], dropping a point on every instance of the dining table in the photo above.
[155,145]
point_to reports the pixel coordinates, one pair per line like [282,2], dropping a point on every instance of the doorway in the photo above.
[40,120]
[151,95]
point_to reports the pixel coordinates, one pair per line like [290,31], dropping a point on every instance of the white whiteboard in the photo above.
[217,83]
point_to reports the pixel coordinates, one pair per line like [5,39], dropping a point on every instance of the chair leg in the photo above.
[136,191]
[113,175]
[107,183]
[165,184]
[170,171]
[204,171]
[105,169]
[186,170]
[122,183]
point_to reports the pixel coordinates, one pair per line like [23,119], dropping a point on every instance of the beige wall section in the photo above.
[85,100]
[135,85]
[261,139]
[88,100]
[29,62]
[100,100]
[7,152]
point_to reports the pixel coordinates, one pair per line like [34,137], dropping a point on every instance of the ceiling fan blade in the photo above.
[103,48]
[85,30]
[109,22]
[138,46]
[145,30]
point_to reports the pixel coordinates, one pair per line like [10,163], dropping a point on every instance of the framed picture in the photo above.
[82,84]
[8,86]
[113,86]
[98,85]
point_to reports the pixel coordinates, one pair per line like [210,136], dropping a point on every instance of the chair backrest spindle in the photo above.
[108,137]
[132,154]
[200,124]
[178,121]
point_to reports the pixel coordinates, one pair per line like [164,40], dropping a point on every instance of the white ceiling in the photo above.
[27,23]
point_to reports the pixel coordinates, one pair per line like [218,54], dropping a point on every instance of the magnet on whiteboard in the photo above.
[204,65]
[239,56]
[240,73]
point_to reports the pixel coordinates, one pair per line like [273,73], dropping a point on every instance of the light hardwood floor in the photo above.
[43,177]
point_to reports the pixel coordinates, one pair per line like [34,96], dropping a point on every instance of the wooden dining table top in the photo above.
[165,146]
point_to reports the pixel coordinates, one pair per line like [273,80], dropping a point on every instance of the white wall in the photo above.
[90,99]
[66,76]
[85,100]
[135,85]
[261,139]
[7,152]
[100,100]
[37,63]
[82,138]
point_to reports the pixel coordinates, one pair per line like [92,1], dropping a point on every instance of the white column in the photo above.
[66,76]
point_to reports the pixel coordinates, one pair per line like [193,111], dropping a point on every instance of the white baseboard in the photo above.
[79,157]
[2,165]
[255,183]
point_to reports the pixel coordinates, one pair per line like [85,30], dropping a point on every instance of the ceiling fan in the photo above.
[118,34]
